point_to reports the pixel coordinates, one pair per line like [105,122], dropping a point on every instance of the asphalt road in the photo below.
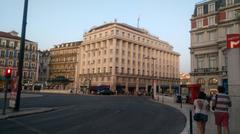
[96,115]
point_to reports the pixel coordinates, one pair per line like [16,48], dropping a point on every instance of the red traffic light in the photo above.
[8,72]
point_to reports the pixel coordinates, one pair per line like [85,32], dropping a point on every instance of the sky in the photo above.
[52,22]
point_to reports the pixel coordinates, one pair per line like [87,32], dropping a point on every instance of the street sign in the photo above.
[233,41]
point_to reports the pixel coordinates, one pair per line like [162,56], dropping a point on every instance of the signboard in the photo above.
[233,41]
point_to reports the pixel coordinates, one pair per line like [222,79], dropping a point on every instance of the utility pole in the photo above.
[21,56]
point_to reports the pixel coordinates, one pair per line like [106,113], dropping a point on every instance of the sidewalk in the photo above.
[23,112]
[23,95]
[210,125]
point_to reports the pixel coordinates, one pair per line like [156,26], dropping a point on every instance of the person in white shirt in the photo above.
[201,112]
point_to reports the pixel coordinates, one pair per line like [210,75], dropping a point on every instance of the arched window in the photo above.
[213,81]
[201,81]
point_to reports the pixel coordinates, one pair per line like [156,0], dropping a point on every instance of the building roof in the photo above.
[11,35]
[218,4]
[121,24]
[68,44]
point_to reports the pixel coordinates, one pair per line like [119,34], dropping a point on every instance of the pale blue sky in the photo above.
[56,21]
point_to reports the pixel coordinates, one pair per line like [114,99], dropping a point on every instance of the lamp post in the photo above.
[21,56]
[153,81]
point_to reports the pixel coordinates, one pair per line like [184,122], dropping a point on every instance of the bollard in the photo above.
[190,117]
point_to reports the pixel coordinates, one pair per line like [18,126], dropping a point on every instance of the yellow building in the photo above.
[63,61]
[123,57]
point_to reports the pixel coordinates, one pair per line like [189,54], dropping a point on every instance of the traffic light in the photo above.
[8,73]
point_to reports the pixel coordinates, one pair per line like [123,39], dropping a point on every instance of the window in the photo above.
[2,62]
[122,70]
[99,70]
[199,23]
[229,29]
[123,61]
[200,62]
[104,69]
[211,20]
[211,7]
[110,69]
[10,63]
[3,42]
[2,53]
[212,62]
[117,51]
[229,2]
[199,37]
[123,52]
[199,10]
[212,35]
[128,71]
[123,34]
[230,14]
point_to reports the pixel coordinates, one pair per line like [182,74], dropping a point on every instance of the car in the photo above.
[105,92]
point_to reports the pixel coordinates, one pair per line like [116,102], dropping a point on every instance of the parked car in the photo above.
[105,92]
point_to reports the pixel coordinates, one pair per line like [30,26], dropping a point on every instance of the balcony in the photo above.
[205,71]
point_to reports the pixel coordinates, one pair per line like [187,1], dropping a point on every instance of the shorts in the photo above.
[200,117]
[221,118]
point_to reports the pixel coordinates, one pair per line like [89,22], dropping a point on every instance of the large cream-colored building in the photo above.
[123,57]
[63,62]
[211,22]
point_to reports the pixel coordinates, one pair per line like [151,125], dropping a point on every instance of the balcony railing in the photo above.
[205,70]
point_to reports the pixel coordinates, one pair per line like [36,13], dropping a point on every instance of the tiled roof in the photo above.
[10,36]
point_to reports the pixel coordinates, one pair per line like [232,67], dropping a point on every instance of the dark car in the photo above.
[105,92]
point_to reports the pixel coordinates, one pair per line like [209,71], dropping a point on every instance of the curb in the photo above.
[25,112]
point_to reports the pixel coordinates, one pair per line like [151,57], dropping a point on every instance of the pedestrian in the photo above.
[201,112]
[221,103]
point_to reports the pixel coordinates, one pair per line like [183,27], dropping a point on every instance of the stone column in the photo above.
[137,85]
[234,88]
[220,64]
[114,78]
[126,86]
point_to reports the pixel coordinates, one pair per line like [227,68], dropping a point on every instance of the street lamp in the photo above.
[21,56]
[154,82]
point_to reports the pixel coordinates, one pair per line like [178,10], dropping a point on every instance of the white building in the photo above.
[123,57]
